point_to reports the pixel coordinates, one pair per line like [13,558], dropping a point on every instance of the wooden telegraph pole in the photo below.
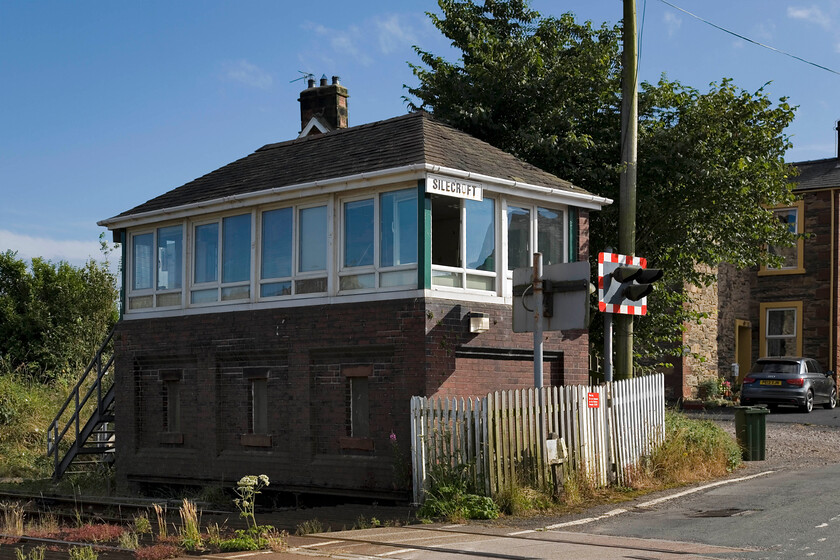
[627,195]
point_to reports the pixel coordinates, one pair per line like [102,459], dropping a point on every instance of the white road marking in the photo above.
[647,504]
[400,551]
[319,544]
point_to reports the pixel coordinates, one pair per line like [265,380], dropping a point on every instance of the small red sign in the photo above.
[593,400]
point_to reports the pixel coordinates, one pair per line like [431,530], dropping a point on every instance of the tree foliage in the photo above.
[710,164]
[53,317]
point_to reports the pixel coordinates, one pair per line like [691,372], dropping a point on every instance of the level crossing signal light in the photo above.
[624,281]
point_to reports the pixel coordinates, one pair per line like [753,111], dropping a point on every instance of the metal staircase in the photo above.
[92,398]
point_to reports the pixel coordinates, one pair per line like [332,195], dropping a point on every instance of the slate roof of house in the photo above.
[415,138]
[817,174]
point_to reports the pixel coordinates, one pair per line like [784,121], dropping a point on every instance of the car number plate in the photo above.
[770,382]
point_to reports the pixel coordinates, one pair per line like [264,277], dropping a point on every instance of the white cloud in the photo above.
[382,35]
[394,33]
[246,73]
[812,14]
[76,253]
[672,22]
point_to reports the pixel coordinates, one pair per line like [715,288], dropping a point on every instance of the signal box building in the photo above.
[280,312]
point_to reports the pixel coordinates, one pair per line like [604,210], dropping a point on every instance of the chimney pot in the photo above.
[323,79]
[335,80]
[310,82]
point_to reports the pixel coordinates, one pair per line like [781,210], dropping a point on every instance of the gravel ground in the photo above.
[793,446]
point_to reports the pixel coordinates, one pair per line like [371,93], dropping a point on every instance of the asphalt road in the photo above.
[818,417]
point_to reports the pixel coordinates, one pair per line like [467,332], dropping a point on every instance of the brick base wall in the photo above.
[308,358]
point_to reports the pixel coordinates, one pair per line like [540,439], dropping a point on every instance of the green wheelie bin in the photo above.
[751,432]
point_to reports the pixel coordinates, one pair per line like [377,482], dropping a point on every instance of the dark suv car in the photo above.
[798,382]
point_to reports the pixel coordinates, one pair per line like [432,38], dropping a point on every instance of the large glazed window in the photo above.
[157,268]
[312,250]
[535,226]
[228,242]
[464,243]
[391,219]
[276,256]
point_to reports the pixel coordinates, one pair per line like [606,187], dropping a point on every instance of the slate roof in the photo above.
[817,174]
[415,138]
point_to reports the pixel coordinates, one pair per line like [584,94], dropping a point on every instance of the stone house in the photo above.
[280,311]
[791,310]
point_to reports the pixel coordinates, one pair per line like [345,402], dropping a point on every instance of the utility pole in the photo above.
[627,195]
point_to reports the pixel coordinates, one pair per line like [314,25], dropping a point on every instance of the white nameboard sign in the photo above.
[458,188]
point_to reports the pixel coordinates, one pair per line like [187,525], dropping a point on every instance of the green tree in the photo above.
[53,317]
[547,89]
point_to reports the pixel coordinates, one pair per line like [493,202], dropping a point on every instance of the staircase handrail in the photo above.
[54,437]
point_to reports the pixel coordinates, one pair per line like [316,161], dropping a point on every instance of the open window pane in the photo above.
[206,253]
[446,231]
[236,248]
[142,260]
[550,235]
[358,233]
[170,251]
[519,237]
[398,228]
[312,232]
[276,244]
[481,234]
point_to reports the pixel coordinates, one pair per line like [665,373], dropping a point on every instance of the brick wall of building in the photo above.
[307,358]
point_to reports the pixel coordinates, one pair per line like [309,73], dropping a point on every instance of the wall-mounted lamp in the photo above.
[479,322]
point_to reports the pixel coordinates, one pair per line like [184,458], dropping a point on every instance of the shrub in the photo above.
[82,553]
[95,533]
[157,552]
[692,450]
[452,496]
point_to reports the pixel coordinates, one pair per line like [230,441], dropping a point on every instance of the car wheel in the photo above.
[832,399]
[809,402]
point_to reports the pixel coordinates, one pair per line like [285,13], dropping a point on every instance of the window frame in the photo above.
[764,323]
[376,269]
[533,208]
[218,284]
[153,292]
[463,272]
[799,268]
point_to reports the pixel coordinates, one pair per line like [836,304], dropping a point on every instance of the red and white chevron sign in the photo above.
[607,262]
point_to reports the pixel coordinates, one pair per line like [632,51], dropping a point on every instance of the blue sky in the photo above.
[107,104]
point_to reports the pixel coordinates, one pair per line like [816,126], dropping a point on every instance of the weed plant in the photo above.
[82,553]
[452,495]
[189,533]
[13,517]
[692,450]
[36,553]
[309,527]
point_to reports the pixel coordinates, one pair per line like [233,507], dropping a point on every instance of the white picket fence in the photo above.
[498,436]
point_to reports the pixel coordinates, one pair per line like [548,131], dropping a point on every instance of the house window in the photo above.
[357,377]
[257,399]
[171,399]
[464,243]
[529,226]
[156,268]
[781,328]
[227,241]
[792,262]
[392,219]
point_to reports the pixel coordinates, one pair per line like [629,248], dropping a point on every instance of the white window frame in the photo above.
[375,269]
[462,271]
[153,293]
[533,208]
[218,284]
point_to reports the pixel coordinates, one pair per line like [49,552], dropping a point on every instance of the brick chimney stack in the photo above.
[326,102]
